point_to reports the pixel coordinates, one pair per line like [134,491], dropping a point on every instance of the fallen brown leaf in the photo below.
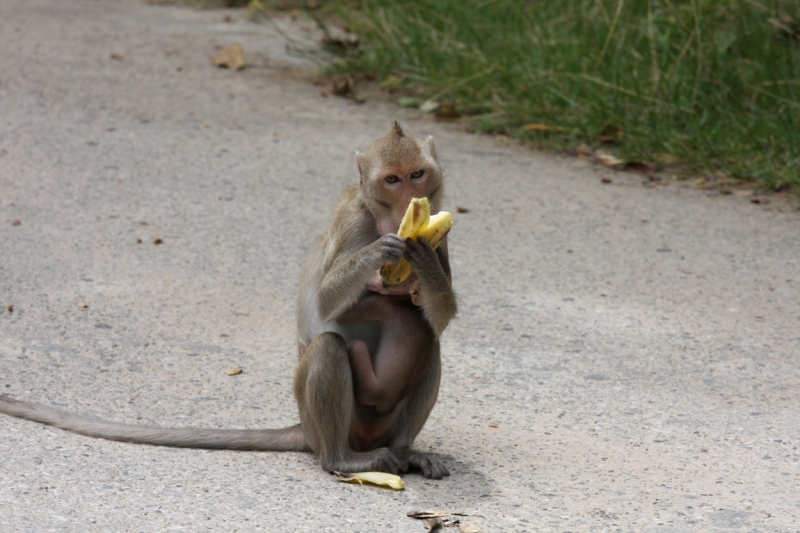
[344,87]
[348,42]
[645,169]
[392,81]
[611,134]
[536,127]
[667,159]
[157,240]
[461,209]
[427,514]
[16,222]
[10,308]
[494,426]
[448,111]
[233,371]
[138,241]
[116,57]
[605,180]
[231,57]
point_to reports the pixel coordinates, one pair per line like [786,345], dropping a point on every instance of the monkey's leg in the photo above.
[323,387]
[384,378]
[421,400]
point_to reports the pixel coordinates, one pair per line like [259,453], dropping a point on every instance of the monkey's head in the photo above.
[395,169]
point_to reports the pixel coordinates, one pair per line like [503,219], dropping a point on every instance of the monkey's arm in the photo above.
[433,268]
[344,281]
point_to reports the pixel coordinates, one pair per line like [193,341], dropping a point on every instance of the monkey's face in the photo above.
[394,170]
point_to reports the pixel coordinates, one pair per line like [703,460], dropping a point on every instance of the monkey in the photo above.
[349,330]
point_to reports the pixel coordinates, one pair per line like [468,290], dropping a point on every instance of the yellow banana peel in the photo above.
[417,222]
[374,478]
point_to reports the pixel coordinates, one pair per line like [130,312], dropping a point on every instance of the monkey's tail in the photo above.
[290,439]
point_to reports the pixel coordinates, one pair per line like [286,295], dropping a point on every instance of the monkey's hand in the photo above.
[343,284]
[436,296]
[390,249]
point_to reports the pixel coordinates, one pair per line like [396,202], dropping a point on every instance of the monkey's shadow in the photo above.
[463,489]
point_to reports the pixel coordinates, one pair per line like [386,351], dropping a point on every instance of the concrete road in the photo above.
[625,358]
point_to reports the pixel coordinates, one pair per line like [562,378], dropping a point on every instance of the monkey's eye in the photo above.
[391,179]
[417,174]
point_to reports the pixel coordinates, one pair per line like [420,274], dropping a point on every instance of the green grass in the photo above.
[710,82]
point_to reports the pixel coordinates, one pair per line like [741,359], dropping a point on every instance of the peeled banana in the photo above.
[417,222]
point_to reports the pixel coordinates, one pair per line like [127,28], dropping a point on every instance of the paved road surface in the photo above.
[625,359]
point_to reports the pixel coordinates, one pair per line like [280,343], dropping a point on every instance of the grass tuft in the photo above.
[714,84]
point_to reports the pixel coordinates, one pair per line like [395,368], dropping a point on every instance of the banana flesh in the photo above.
[416,223]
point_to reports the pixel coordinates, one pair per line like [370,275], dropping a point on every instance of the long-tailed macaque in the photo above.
[369,366]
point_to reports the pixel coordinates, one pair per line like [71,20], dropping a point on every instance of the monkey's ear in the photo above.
[359,157]
[432,147]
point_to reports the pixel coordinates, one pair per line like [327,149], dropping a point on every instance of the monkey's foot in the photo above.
[379,460]
[430,465]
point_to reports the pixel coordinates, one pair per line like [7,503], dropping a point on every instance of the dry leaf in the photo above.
[448,111]
[233,371]
[138,241]
[608,159]
[392,81]
[433,524]
[427,514]
[493,426]
[605,180]
[116,57]
[611,134]
[344,87]
[645,169]
[82,305]
[461,209]
[536,127]
[231,57]
[10,308]
[350,41]
[667,159]
[157,240]
[382,479]
[16,222]
[430,106]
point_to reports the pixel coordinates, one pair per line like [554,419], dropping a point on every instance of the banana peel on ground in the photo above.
[381,479]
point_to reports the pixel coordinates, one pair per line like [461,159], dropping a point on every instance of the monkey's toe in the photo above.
[432,467]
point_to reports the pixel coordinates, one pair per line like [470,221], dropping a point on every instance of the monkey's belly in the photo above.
[370,430]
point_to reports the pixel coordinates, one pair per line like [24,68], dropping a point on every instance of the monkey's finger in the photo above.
[392,249]
[418,251]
